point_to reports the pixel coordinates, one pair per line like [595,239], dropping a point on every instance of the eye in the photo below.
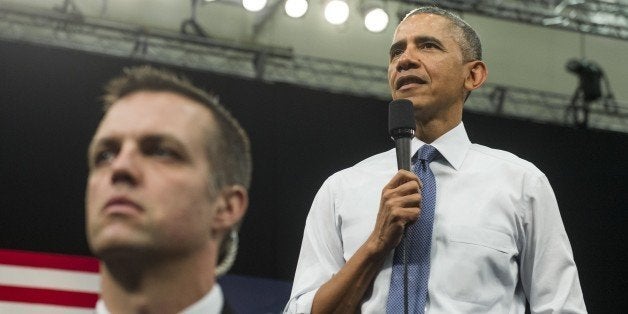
[429,45]
[162,151]
[162,148]
[102,156]
[395,53]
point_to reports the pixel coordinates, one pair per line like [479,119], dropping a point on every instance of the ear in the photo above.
[476,75]
[231,208]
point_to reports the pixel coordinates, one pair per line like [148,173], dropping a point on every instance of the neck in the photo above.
[149,284]
[429,131]
[430,125]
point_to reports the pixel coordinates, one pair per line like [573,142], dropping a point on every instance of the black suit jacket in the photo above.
[226,308]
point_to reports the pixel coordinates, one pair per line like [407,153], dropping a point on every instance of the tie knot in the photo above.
[427,153]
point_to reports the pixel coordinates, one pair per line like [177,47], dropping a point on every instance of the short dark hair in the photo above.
[228,146]
[228,150]
[469,40]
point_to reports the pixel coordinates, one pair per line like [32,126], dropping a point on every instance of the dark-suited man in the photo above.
[169,170]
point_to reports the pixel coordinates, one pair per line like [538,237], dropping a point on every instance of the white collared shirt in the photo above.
[498,237]
[211,303]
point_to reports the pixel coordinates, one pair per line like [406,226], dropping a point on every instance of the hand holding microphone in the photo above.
[400,198]
[401,127]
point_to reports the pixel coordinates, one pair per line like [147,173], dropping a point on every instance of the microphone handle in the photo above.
[402,147]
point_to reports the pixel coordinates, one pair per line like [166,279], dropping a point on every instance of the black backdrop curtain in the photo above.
[49,108]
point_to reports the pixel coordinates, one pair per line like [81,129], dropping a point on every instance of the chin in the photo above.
[111,240]
[125,253]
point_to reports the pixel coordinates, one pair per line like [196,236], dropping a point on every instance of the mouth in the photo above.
[407,80]
[121,206]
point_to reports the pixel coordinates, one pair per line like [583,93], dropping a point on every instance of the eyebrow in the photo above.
[425,39]
[105,141]
[160,138]
[417,40]
[113,140]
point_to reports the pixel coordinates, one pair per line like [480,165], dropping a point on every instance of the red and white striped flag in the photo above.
[33,282]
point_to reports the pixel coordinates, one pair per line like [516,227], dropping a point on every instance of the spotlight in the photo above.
[296,8]
[254,5]
[336,12]
[376,20]
[590,76]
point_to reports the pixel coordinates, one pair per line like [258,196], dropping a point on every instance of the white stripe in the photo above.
[48,278]
[29,308]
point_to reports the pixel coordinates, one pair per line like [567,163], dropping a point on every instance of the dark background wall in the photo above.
[49,109]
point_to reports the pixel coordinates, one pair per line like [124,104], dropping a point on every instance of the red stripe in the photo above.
[49,260]
[47,296]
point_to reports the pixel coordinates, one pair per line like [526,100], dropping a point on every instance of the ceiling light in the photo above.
[296,8]
[254,5]
[376,20]
[336,12]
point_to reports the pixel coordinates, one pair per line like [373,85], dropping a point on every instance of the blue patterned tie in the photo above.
[418,243]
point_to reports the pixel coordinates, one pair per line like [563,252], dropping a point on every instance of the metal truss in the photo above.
[271,64]
[549,107]
[607,18]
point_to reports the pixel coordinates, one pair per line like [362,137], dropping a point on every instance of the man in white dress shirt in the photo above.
[498,240]
[169,170]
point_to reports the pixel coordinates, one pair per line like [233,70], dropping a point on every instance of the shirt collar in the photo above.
[453,145]
[211,303]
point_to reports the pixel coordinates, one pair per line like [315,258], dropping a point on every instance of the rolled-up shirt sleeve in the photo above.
[321,253]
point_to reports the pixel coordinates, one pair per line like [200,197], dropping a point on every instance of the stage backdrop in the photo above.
[49,108]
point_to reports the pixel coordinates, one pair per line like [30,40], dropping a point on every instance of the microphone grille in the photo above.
[400,116]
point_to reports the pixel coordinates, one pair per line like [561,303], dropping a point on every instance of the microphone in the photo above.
[401,127]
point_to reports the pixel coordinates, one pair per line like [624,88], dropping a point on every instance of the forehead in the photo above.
[425,24]
[148,112]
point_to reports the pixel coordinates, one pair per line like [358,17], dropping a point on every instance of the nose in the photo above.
[407,60]
[126,167]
